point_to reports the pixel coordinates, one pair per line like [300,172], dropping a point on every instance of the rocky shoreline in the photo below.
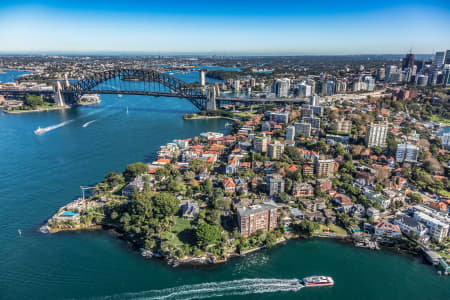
[16,112]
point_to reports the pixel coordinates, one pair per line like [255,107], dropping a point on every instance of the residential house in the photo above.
[385,229]
[137,184]
[228,185]
[344,202]
[189,209]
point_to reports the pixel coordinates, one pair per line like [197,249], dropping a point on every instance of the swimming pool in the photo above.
[68,214]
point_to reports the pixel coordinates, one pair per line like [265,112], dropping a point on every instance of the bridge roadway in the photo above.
[250,100]
[219,100]
[25,92]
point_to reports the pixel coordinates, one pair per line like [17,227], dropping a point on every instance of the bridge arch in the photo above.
[135,81]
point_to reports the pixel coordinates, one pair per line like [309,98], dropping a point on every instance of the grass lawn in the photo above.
[242,114]
[436,118]
[333,228]
[337,229]
[444,193]
[444,254]
[181,232]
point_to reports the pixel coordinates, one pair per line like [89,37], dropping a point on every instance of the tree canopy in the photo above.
[135,169]
[207,234]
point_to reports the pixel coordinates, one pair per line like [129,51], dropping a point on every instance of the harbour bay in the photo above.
[41,173]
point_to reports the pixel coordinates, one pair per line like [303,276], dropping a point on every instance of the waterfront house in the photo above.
[385,229]
[408,225]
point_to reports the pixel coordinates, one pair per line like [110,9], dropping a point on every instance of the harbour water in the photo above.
[38,174]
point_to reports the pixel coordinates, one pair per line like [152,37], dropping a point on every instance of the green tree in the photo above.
[208,186]
[33,101]
[206,234]
[162,173]
[306,227]
[165,205]
[114,179]
[292,153]
[415,198]
[135,169]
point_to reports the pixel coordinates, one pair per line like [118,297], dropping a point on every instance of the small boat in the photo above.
[119,95]
[40,131]
[314,281]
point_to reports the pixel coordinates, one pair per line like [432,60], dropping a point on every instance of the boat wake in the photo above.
[41,131]
[216,289]
[88,123]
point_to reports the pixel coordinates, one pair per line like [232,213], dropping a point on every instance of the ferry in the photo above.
[313,281]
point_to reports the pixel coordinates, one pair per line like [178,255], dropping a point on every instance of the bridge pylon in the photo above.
[211,94]
[59,97]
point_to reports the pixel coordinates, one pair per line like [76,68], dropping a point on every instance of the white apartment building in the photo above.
[376,135]
[407,153]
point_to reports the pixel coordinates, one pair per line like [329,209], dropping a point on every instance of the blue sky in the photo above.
[225,27]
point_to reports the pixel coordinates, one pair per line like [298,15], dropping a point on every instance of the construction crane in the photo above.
[83,188]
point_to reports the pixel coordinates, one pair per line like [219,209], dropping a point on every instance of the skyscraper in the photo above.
[447,57]
[304,90]
[314,100]
[390,70]
[370,83]
[439,59]
[446,77]
[281,87]
[237,85]
[408,61]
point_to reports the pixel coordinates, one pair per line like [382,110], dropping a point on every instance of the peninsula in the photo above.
[280,174]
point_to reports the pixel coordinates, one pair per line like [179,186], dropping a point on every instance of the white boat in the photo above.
[40,131]
[119,95]
[314,281]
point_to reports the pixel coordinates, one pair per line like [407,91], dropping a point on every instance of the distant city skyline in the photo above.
[224,28]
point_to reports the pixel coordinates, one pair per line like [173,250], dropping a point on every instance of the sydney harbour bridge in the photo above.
[146,82]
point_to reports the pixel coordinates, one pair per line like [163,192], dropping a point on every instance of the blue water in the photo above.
[446,129]
[10,75]
[39,174]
